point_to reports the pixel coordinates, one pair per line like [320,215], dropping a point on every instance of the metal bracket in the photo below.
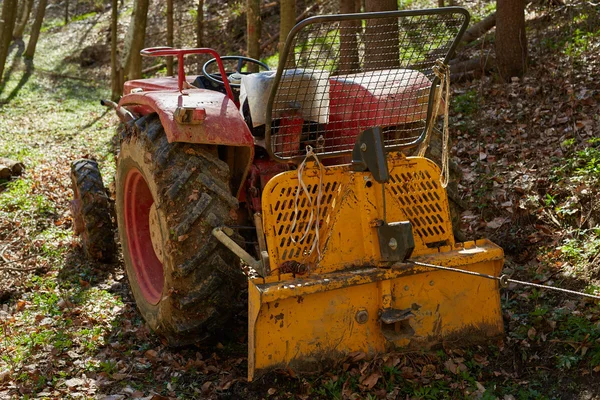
[222,235]
[369,155]
[395,324]
[396,241]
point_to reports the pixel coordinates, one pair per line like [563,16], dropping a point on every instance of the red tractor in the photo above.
[301,176]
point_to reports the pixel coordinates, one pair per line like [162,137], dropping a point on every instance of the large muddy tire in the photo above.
[91,211]
[169,198]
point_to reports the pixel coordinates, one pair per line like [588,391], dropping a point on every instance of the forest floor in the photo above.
[530,156]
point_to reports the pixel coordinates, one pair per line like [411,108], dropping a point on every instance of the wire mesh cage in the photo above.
[340,75]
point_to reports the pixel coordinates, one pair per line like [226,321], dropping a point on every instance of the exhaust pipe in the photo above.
[123,114]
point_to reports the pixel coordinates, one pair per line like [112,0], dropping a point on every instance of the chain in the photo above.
[503,279]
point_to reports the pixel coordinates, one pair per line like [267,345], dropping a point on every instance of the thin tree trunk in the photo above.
[511,42]
[349,62]
[170,35]
[381,37]
[66,12]
[287,12]
[115,74]
[35,29]
[9,16]
[253,27]
[134,41]
[200,31]
[20,27]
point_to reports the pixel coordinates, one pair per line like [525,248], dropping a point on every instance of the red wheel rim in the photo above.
[148,268]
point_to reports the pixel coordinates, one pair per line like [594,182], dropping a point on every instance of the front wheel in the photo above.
[169,198]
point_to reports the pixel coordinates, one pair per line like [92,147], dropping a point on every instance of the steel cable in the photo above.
[503,279]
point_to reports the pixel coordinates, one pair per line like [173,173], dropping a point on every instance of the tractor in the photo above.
[300,188]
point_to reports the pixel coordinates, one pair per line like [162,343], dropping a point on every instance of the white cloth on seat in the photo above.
[304,90]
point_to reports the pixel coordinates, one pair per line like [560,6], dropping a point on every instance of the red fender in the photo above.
[220,123]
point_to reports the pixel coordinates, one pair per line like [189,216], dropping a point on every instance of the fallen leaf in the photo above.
[74,382]
[371,380]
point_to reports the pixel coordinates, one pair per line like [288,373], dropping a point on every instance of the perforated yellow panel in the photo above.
[423,201]
[282,211]
[350,209]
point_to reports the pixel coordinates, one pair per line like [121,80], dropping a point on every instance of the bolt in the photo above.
[406,288]
[363,147]
[431,283]
[393,244]
[362,316]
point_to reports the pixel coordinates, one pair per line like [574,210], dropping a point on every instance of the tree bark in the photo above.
[349,61]
[115,68]
[381,37]
[20,26]
[287,12]
[253,28]
[16,167]
[170,35]
[511,42]
[9,16]
[200,31]
[134,41]
[477,30]
[66,12]
[35,29]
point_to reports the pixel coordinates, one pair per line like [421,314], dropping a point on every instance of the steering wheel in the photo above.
[240,60]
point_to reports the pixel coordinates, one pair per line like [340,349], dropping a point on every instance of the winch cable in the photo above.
[504,280]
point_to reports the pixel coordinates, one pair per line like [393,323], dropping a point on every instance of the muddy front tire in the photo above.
[169,198]
[91,211]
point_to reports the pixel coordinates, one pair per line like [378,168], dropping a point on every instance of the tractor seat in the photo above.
[380,98]
[301,91]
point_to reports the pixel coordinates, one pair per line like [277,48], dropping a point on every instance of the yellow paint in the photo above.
[351,204]
[295,321]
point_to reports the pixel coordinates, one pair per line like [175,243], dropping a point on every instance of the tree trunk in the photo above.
[200,31]
[9,15]
[477,30]
[115,74]
[349,61]
[20,27]
[511,42]
[35,29]
[381,40]
[170,35]
[134,41]
[66,12]
[287,12]
[253,27]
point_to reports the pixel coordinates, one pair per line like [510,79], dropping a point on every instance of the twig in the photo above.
[4,249]
[2,268]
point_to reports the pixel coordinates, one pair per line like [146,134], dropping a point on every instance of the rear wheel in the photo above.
[169,198]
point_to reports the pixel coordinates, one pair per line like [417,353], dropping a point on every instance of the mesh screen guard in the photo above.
[342,74]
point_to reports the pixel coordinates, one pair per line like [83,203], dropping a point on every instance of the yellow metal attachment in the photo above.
[309,310]
[351,207]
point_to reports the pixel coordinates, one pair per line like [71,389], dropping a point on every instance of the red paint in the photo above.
[154,84]
[287,138]
[377,98]
[222,125]
[261,171]
[147,267]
